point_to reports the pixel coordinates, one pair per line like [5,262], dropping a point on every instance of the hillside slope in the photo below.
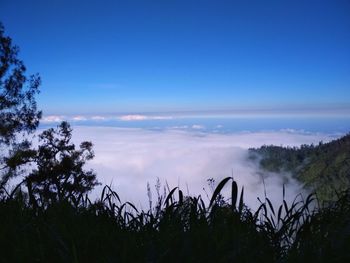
[324,168]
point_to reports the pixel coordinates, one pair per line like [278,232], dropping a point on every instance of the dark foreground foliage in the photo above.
[178,229]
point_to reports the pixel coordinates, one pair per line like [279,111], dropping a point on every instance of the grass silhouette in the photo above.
[178,228]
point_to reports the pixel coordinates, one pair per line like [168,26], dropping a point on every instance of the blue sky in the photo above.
[99,57]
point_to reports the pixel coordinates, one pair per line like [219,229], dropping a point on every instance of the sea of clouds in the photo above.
[129,158]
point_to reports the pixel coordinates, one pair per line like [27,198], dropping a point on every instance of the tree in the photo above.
[19,116]
[59,174]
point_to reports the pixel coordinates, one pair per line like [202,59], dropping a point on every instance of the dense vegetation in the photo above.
[48,216]
[178,229]
[324,168]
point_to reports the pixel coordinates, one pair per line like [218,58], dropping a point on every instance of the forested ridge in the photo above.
[324,168]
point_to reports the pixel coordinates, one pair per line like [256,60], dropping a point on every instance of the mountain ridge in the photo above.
[323,168]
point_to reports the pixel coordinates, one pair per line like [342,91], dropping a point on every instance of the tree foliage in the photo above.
[324,168]
[59,173]
[18,110]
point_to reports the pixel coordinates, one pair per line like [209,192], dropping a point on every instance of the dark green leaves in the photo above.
[218,190]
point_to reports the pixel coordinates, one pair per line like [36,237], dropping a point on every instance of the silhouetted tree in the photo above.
[59,174]
[18,111]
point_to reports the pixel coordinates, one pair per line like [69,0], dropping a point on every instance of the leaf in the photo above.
[270,205]
[130,204]
[279,213]
[240,208]
[234,194]
[169,196]
[181,197]
[218,190]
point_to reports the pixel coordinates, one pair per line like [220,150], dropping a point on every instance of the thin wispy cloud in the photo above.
[98,118]
[53,118]
[197,127]
[278,112]
[137,117]
[81,118]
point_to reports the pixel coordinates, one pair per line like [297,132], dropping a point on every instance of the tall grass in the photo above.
[177,228]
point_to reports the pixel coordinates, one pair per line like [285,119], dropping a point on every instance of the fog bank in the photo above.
[129,158]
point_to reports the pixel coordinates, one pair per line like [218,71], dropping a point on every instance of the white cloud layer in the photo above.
[80,118]
[136,117]
[52,118]
[129,158]
[197,127]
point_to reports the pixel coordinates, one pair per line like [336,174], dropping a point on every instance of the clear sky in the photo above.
[143,56]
